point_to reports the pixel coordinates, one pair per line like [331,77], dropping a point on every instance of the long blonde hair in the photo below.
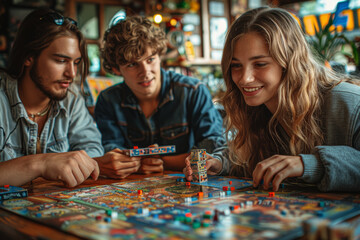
[304,81]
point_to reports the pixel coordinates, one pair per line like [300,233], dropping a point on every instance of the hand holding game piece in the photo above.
[152,164]
[72,168]
[276,169]
[213,166]
[115,164]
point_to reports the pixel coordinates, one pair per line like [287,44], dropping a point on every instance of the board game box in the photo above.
[9,192]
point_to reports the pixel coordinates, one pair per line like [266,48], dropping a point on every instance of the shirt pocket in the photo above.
[58,146]
[174,131]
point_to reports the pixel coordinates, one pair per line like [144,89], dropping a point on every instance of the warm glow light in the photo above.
[173,22]
[157,18]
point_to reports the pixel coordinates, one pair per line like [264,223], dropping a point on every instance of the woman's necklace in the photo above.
[41,113]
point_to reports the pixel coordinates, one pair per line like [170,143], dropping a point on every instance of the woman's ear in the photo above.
[116,71]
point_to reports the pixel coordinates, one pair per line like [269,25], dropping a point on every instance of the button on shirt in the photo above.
[69,126]
[185,117]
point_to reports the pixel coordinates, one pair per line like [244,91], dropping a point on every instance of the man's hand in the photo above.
[115,164]
[71,167]
[276,168]
[151,165]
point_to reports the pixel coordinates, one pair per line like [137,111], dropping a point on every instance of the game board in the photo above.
[164,208]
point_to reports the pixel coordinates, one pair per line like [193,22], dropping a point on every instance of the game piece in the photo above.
[198,165]
[140,192]
[140,152]
[11,192]
[271,194]
[225,188]
[200,194]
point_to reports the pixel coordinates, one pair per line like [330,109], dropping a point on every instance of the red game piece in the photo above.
[188,184]
[136,147]
[271,194]
[225,188]
[232,189]
[6,186]
[230,182]
[140,192]
[188,214]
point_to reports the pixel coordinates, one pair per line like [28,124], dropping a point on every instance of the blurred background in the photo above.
[196,30]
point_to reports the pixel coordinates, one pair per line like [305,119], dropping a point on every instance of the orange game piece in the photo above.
[271,194]
[188,184]
[140,192]
[136,147]
[200,194]
[230,182]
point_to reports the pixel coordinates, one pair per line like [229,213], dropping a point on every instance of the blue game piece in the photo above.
[210,195]
[38,215]
[283,212]
[321,204]
[139,210]
[228,193]
[107,219]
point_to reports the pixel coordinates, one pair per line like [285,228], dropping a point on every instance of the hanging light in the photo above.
[158,18]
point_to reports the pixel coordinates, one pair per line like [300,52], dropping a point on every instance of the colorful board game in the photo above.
[139,152]
[167,207]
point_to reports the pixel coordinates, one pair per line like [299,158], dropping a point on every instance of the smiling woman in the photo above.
[289,116]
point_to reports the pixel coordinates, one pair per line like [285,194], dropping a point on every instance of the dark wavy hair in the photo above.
[34,35]
[127,41]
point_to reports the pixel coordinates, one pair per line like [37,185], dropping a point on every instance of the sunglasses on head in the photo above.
[57,18]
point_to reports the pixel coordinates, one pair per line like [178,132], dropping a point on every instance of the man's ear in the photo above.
[116,71]
[29,61]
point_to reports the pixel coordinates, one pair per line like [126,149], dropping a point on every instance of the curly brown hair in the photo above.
[128,40]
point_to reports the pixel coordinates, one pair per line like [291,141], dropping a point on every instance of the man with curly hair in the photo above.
[151,106]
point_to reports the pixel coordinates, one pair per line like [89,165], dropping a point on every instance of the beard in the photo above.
[40,84]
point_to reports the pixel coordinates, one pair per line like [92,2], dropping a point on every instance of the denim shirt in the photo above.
[69,126]
[185,117]
[335,165]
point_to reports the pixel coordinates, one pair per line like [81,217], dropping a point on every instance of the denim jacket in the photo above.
[334,166]
[185,117]
[68,128]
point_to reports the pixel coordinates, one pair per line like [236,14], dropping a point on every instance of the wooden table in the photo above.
[16,227]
